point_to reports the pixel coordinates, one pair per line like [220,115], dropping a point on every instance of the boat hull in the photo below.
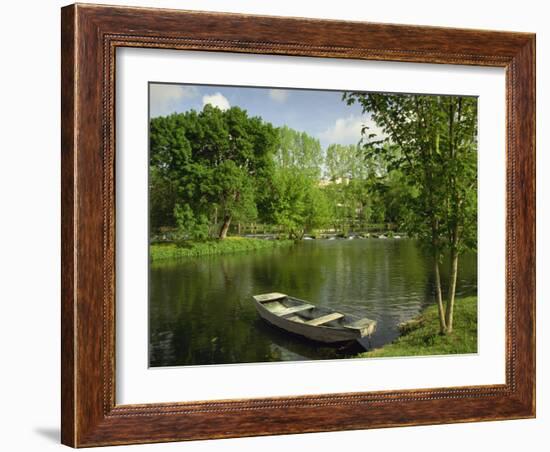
[322,334]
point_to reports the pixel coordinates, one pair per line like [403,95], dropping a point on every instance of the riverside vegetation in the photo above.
[421,337]
[163,251]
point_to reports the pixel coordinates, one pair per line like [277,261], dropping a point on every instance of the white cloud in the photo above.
[278,95]
[216,100]
[348,130]
[166,99]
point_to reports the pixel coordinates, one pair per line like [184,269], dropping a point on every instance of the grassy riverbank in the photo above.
[423,338]
[162,251]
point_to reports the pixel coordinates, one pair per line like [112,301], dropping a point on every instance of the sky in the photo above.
[321,114]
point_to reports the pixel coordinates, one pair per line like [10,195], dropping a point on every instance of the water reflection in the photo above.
[201,310]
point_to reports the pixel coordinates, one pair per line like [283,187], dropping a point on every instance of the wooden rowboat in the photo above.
[312,322]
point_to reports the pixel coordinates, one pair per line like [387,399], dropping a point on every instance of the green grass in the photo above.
[164,251]
[423,337]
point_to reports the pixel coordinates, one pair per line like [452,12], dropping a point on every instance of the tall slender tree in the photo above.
[432,141]
[295,201]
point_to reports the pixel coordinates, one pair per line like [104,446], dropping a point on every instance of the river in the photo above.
[200,309]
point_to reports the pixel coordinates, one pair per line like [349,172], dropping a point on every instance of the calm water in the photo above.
[201,310]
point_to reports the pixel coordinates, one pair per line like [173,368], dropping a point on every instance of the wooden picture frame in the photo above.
[90,36]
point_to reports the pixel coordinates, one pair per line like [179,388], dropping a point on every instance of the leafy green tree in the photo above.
[393,192]
[213,161]
[162,198]
[432,141]
[293,199]
[300,151]
[233,192]
[343,162]
[169,155]
[353,190]
[289,202]
[189,225]
[317,212]
[298,205]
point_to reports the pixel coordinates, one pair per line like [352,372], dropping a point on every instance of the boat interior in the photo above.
[302,312]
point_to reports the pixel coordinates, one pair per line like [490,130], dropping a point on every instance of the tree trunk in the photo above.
[454,233]
[439,297]
[452,291]
[225,227]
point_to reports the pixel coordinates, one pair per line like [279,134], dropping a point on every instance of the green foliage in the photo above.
[233,190]
[345,163]
[297,203]
[162,199]
[318,211]
[293,199]
[432,142]
[189,225]
[190,248]
[213,168]
[395,194]
[361,192]
[211,161]
[288,202]
[297,150]
[422,336]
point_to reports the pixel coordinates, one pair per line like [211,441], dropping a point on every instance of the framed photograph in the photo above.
[281,225]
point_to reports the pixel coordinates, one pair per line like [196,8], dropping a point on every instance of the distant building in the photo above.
[337,181]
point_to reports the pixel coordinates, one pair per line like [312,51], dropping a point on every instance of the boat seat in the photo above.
[264,298]
[293,309]
[324,319]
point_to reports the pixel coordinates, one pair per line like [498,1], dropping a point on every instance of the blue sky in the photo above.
[321,114]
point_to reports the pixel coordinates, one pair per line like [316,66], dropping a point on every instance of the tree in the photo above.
[189,225]
[170,153]
[300,151]
[432,141]
[293,199]
[317,211]
[353,189]
[233,192]
[343,163]
[288,203]
[297,203]
[213,161]
[393,192]
[162,199]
